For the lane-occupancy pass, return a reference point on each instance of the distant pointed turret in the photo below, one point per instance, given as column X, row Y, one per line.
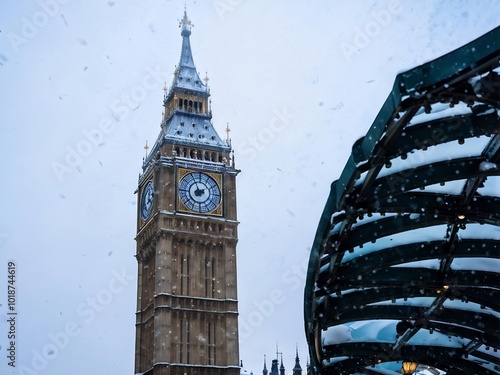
column 264, row 371
column 297, row 370
column 282, row 368
column 278, row 368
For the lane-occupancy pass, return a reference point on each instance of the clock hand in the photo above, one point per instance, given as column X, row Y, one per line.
column 199, row 192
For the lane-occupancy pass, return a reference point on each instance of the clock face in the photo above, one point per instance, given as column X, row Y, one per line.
column 147, row 200
column 199, row 192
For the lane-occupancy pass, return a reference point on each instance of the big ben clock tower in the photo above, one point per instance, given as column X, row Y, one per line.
column 187, row 312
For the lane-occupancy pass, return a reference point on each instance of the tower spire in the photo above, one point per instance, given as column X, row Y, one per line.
column 185, row 74
column 187, row 116
column 282, row 367
column 297, row 369
column 264, row 371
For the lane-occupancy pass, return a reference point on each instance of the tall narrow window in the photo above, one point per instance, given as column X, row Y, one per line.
column 209, row 336
column 184, row 332
column 211, row 343
column 213, row 277
column 187, row 341
column 207, row 277
column 181, row 340
column 184, row 276
column 187, row 276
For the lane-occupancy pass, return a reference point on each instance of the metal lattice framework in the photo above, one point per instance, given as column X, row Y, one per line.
column 406, row 260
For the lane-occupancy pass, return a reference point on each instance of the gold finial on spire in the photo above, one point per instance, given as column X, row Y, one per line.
column 185, row 23
column 228, row 130
column 146, row 147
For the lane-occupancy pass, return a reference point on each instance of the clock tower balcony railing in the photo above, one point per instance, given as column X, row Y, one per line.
column 209, row 227
column 177, row 110
column 192, row 111
column 170, row 91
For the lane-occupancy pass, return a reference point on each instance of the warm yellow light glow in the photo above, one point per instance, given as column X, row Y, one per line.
column 409, row 367
column 461, row 216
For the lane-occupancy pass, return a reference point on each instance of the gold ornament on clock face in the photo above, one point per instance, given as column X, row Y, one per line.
column 199, row 192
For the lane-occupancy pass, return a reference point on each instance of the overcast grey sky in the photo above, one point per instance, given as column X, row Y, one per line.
column 298, row 82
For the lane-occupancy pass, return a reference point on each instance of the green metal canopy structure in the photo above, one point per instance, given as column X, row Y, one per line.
column 405, row 264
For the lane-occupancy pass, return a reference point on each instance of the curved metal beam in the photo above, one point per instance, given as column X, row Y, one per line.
column 368, row 295
column 431, row 133
column 472, row 319
column 414, row 178
column 390, row 256
column 395, row 277
column 366, row 354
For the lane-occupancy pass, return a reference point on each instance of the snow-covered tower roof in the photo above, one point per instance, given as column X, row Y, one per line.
column 187, row 118
column 185, row 75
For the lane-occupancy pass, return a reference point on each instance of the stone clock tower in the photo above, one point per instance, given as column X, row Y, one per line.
column 187, row 309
